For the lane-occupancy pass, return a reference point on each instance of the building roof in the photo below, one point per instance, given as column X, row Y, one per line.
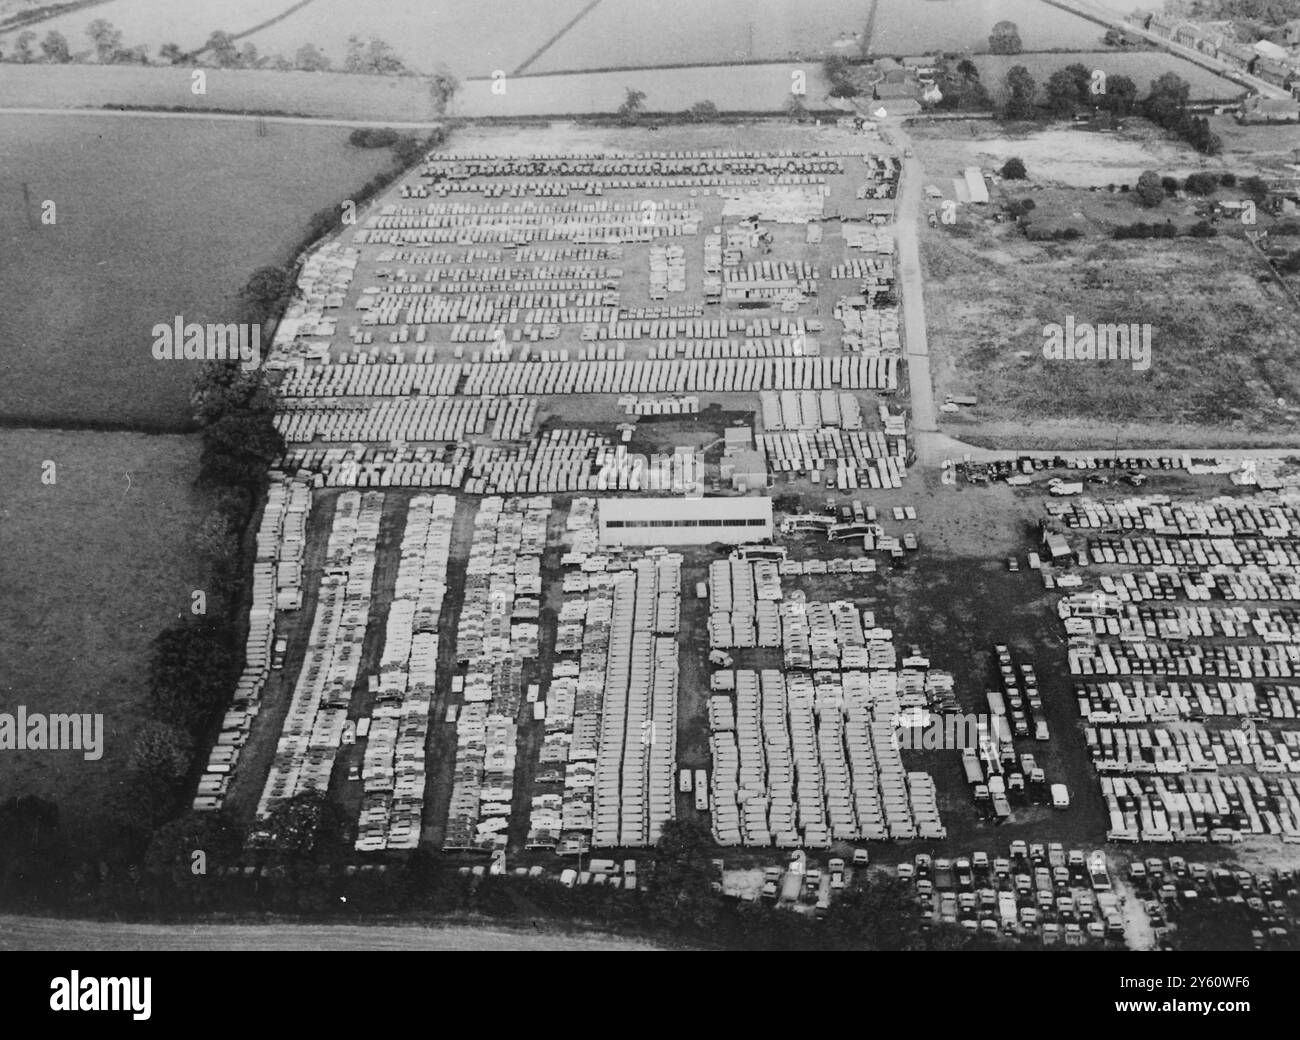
column 1267, row 49
column 895, row 91
column 747, row 461
column 679, row 507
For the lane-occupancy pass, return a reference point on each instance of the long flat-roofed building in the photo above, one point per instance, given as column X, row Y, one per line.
column 679, row 520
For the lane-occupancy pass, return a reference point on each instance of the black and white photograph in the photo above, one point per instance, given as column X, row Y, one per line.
column 651, row 476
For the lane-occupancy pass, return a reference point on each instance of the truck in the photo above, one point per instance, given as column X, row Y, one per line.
column 791, row 885
column 971, row 765
column 1057, row 486
column 996, row 705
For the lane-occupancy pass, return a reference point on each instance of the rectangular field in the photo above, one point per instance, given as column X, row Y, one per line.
column 471, row 39
column 94, row 567
column 137, row 243
column 626, row 34
column 905, row 27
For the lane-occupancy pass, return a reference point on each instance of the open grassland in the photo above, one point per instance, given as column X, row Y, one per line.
column 93, row 568
column 471, row 39
column 628, row 33
column 155, row 218
column 919, row 26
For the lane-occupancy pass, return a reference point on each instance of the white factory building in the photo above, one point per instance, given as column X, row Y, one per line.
column 678, row 520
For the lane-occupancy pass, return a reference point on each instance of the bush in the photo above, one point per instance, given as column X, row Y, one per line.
column 1150, row 191
column 1170, row 184
column 1203, row 229
column 365, row 137
column 1014, row 170
column 1201, row 184
column 1228, row 180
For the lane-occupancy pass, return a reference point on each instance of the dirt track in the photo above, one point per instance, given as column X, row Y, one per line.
column 35, row 933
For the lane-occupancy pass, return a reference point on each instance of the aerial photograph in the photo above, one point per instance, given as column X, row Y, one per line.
column 677, row 475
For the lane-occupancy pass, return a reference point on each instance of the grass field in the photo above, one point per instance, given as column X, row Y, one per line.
column 155, row 218
column 93, row 568
column 155, row 22
column 919, row 26
column 625, row 33
column 472, row 39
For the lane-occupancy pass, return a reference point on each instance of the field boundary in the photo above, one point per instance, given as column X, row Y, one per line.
column 556, row 37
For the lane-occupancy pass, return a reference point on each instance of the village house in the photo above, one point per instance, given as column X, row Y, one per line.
column 1258, row 109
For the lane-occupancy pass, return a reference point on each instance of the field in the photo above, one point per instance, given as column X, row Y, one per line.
column 155, row 22
column 137, row 243
column 737, row 88
column 93, row 568
column 1224, row 338
column 1058, row 154
column 1141, row 68
column 471, row 39
column 906, row 27
column 624, row 33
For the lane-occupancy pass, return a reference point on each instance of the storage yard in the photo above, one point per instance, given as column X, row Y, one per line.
column 536, row 600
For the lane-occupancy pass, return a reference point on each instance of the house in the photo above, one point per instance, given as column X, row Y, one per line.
column 1141, row 18
column 896, row 91
column 1186, row 34
column 1161, row 25
column 1279, row 73
column 1258, row 109
column 1266, row 49
column 1238, row 55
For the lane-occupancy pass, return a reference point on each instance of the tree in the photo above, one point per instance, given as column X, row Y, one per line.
column 161, row 754
column 191, row 672
column 172, row 847
column 32, row 850
column 1150, row 192
column 55, row 48
column 702, row 112
column 355, row 59
column 248, row 56
column 875, row 915
column 443, row 85
column 1201, row 183
column 23, row 52
column 1020, row 88
column 381, row 59
column 1082, row 77
column 1004, row 39
column 680, row 895
column 1120, row 96
column 221, row 45
column 967, row 69
column 632, row 107
column 795, row 108
column 267, row 289
column 1228, row 180
column 1062, row 94
column 303, row 826
column 1256, row 188
column 1014, row 170
column 171, row 52
column 106, row 38
column 309, row 58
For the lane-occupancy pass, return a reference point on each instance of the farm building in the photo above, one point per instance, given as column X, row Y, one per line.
column 1269, row 110
column 684, row 521
column 1270, row 50
column 975, row 185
